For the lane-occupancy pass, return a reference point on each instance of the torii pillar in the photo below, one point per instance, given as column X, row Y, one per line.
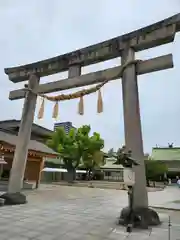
column 132, row 125
column 134, row 142
column 14, row 195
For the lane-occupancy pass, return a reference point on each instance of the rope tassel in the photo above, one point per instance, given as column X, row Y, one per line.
column 81, row 106
column 55, row 110
column 41, row 110
column 99, row 102
column 80, row 94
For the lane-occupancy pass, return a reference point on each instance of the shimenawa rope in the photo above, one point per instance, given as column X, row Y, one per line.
column 79, row 94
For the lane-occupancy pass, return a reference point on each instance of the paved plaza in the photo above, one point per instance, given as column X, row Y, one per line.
column 61, row 212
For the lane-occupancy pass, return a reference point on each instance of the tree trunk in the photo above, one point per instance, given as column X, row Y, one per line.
column 71, row 175
column 89, row 175
column 147, row 182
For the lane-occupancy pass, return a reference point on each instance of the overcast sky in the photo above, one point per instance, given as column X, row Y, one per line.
column 35, row 30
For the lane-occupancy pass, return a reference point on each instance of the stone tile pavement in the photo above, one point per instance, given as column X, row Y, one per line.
column 165, row 198
column 68, row 213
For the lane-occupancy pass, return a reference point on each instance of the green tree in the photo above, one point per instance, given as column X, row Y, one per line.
column 92, row 156
column 154, row 169
column 123, row 157
column 110, row 153
column 68, row 148
column 74, row 147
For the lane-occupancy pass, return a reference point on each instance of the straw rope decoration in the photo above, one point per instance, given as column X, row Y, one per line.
column 79, row 94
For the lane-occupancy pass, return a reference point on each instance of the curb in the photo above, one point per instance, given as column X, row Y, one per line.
column 121, row 188
column 166, row 208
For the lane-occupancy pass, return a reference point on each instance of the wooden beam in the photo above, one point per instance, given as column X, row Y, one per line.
column 146, row 66
column 154, row 35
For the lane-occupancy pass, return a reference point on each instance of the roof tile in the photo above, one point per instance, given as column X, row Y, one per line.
column 33, row 144
column 166, row 154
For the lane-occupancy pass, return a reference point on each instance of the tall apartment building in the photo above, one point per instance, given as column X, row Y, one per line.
column 66, row 125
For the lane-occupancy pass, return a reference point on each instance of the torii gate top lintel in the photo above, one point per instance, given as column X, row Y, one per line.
column 153, row 35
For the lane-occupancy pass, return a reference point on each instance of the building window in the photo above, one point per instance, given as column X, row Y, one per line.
column 66, row 125
column 114, row 175
column 107, row 174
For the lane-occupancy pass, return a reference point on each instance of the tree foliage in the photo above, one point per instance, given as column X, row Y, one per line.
column 154, row 169
column 110, row 153
column 92, row 156
column 77, row 146
column 124, row 157
column 67, row 147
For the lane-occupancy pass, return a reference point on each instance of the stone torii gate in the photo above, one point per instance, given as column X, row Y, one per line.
column 124, row 46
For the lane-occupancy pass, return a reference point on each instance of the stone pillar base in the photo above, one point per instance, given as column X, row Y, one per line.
column 13, row 198
column 141, row 218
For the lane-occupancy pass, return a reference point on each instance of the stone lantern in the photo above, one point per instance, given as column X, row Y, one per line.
column 128, row 173
column 130, row 216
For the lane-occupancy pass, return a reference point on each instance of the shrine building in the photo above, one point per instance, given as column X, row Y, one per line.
column 37, row 153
